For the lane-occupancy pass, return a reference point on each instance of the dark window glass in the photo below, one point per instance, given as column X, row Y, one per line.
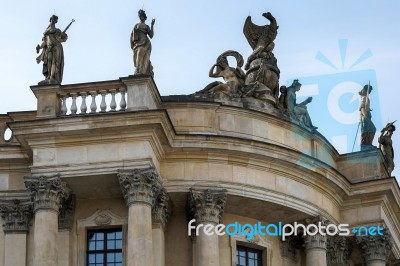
column 246, row 256
column 104, row 247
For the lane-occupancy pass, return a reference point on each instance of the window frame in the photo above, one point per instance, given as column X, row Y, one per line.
column 247, row 250
column 259, row 243
column 104, row 251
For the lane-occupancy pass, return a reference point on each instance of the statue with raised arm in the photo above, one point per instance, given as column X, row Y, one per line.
column 233, row 77
column 141, row 45
column 52, row 54
column 386, row 146
column 368, row 128
column 298, row 111
column 262, row 77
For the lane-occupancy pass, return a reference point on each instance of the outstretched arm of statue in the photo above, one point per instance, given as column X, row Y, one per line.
column 151, row 32
column 214, row 71
column 306, row 101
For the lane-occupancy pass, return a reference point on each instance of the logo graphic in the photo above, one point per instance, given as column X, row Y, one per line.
column 336, row 102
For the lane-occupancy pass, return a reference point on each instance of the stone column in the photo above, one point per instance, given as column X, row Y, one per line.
column 160, row 214
column 140, row 188
column 289, row 251
column 339, row 251
column 315, row 250
column 16, row 215
column 207, row 206
column 47, row 194
column 375, row 249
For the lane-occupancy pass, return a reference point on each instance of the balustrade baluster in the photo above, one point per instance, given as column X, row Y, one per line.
column 113, row 104
column 83, row 105
column 103, row 104
column 122, row 104
column 93, row 106
column 64, row 104
column 74, row 108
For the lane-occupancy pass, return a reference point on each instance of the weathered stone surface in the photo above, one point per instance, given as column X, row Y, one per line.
column 206, row 205
column 161, row 209
column 339, row 251
column 66, row 214
column 376, row 248
column 16, row 215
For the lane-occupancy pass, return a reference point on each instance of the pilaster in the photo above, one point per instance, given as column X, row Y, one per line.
column 338, row 251
column 16, row 215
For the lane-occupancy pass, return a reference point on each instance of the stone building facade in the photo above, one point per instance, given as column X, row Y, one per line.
column 111, row 173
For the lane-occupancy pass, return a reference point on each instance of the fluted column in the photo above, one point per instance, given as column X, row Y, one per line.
column 16, row 215
column 140, row 188
column 160, row 214
column 289, row 251
column 338, row 251
column 47, row 194
column 207, row 207
column 375, row 249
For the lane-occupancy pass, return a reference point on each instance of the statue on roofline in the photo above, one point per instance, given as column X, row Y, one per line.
column 233, row 77
column 386, row 146
column 141, row 45
column 368, row 128
column 52, row 54
column 262, row 77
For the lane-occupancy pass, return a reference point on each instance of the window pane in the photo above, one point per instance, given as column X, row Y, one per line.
column 92, row 245
column 92, row 258
column 110, row 244
column 118, row 244
column 100, row 236
column 118, row 257
column 118, row 235
column 99, row 258
column 110, row 257
column 111, row 235
column 99, row 245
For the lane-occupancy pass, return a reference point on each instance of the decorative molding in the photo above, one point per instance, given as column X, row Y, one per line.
column 375, row 248
column 66, row 214
column 103, row 218
column 338, row 251
column 140, row 185
column 47, row 193
column 206, row 205
column 160, row 211
column 16, row 215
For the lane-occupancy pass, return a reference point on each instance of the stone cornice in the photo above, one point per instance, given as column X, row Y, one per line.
column 140, row 185
column 207, row 206
column 375, row 248
column 47, row 193
column 160, row 211
column 16, row 215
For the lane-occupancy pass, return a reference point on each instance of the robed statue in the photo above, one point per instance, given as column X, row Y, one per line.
column 141, row 45
column 52, row 54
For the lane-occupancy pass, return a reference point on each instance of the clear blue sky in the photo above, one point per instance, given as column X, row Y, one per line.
column 189, row 36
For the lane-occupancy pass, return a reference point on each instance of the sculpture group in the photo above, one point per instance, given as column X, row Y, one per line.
column 257, row 88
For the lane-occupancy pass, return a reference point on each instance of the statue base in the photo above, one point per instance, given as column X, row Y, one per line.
column 366, row 147
column 49, row 82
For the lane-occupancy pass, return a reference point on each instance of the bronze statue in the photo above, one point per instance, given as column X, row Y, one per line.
column 298, row 111
column 233, row 77
column 386, row 146
column 263, row 71
column 141, row 45
column 52, row 54
column 368, row 128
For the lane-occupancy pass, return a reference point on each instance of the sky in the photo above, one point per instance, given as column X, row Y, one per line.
column 332, row 47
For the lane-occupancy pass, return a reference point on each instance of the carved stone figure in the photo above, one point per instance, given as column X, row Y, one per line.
column 298, row 111
column 368, row 128
column 282, row 98
column 385, row 145
column 261, row 66
column 233, row 77
column 52, row 54
column 141, row 45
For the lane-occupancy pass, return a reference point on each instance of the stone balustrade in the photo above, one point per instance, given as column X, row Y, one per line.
column 92, row 101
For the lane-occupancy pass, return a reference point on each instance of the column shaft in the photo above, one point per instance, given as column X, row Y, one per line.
column 316, row 257
column 207, row 249
column 158, row 245
column 45, row 240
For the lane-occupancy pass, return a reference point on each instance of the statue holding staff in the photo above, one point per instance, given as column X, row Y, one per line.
column 52, row 54
column 368, row 128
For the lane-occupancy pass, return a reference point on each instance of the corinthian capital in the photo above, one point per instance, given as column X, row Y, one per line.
column 140, row 185
column 16, row 214
column 207, row 205
column 375, row 248
column 47, row 193
column 160, row 211
column 339, row 251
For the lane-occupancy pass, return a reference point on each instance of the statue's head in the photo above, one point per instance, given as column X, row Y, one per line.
column 53, row 18
column 296, row 84
column 222, row 61
column 364, row 90
column 142, row 15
